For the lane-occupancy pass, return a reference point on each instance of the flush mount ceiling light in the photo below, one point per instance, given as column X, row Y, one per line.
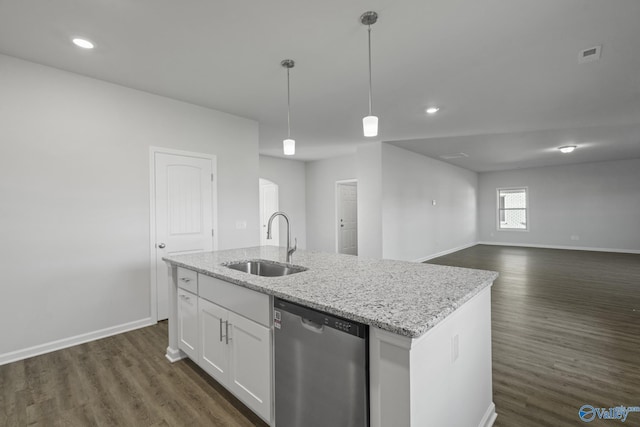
column 83, row 43
column 567, row 148
column 432, row 110
column 288, row 145
column 369, row 123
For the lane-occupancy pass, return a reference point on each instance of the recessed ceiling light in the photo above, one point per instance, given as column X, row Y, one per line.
column 567, row 148
column 432, row 110
column 83, row 43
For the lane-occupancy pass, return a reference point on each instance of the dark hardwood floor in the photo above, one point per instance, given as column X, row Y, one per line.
column 565, row 331
column 122, row 380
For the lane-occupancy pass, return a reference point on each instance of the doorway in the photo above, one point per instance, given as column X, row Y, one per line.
column 183, row 214
column 347, row 217
column 268, row 205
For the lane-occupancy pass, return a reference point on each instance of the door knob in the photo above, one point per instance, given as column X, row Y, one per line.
column 161, row 245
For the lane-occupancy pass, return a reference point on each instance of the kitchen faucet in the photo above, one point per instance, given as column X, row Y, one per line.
column 290, row 250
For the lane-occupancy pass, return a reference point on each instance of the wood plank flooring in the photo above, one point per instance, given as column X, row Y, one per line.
column 122, row 380
column 565, row 331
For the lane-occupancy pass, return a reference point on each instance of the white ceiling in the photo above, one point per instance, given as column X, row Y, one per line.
column 505, row 72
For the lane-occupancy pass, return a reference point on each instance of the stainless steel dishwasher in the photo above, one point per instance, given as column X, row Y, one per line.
column 321, row 368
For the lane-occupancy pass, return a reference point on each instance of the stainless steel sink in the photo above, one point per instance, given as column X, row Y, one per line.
column 265, row 268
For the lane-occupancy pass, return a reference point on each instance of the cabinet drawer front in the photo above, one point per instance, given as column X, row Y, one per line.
column 250, row 304
column 188, row 280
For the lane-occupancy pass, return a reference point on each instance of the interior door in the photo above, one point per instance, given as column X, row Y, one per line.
column 269, row 205
column 183, row 214
column 347, row 218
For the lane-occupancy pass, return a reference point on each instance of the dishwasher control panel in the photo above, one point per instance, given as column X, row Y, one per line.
column 320, row 318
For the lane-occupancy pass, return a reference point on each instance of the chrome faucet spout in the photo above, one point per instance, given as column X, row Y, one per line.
column 290, row 250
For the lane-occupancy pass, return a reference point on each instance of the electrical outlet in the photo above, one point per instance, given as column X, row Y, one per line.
column 433, row 202
column 241, row 224
column 575, row 237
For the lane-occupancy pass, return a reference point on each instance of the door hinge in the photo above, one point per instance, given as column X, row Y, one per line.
column 212, row 232
column 211, row 177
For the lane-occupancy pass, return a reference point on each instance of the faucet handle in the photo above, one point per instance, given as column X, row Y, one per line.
column 295, row 245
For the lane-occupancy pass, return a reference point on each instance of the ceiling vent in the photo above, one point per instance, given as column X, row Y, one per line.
column 589, row 55
column 454, row 156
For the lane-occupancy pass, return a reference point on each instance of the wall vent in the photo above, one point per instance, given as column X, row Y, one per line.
column 454, row 156
column 589, row 55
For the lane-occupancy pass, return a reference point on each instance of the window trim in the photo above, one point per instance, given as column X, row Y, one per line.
column 526, row 208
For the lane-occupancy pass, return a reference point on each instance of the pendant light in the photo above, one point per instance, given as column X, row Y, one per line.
column 369, row 123
column 288, row 145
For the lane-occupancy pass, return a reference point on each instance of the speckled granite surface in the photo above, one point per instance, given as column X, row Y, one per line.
column 405, row 298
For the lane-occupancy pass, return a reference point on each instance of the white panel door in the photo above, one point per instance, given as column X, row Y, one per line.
column 268, row 206
column 188, row 336
column 250, row 364
column 183, row 214
column 348, row 218
column 214, row 350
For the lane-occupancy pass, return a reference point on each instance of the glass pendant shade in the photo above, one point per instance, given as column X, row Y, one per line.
column 370, row 126
column 289, row 147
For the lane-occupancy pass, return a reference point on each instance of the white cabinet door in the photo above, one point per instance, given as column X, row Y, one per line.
column 214, row 350
column 188, row 323
column 250, row 364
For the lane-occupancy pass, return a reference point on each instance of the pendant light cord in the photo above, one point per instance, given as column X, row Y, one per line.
column 288, row 107
column 369, row 31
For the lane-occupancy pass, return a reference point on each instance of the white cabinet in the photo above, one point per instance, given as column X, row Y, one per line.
column 250, row 363
column 214, row 351
column 226, row 330
column 236, row 352
column 188, row 338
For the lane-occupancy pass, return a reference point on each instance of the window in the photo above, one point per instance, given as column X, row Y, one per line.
column 512, row 209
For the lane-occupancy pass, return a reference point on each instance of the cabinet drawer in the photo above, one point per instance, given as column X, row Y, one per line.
column 188, row 280
column 250, row 304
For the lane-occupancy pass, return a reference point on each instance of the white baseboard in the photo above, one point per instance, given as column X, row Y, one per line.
column 173, row 355
column 571, row 248
column 489, row 416
column 447, row 252
column 37, row 350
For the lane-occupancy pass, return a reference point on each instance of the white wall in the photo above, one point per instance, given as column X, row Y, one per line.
column 599, row 202
column 321, row 177
column 74, row 191
column 369, row 165
column 412, row 227
column 290, row 177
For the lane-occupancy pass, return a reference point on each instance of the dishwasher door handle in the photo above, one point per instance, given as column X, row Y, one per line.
column 311, row 325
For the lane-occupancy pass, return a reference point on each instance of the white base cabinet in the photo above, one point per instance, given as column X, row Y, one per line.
column 236, row 352
column 250, row 363
column 230, row 338
column 188, row 339
column 214, row 352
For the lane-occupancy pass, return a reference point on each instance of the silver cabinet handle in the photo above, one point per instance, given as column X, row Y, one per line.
column 220, row 329
column 185, row 279
column 227, row 330
column 161, row 245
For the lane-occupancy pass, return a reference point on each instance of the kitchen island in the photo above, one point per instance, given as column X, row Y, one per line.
column 430, row 326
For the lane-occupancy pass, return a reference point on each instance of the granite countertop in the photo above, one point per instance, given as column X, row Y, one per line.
column 405, row 298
